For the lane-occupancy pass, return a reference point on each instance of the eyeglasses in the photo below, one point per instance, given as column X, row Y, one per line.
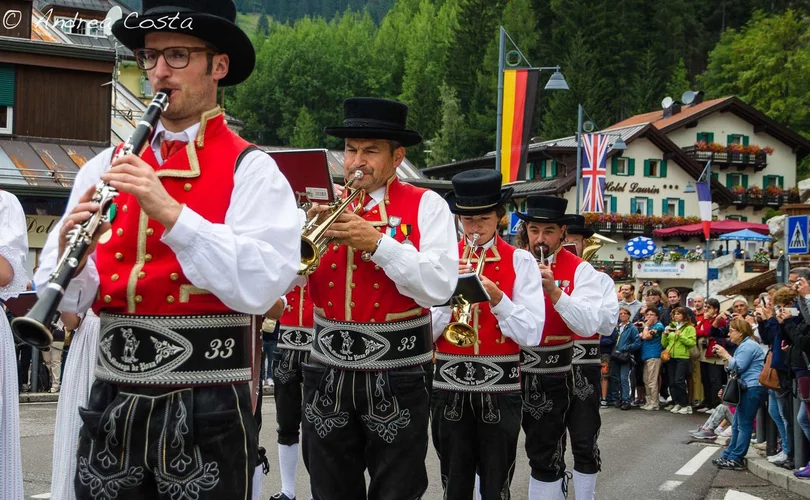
column 175, row 57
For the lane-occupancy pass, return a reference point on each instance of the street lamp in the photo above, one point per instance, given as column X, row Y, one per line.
column 689, row 189
column 618, row 145
column 557, row 81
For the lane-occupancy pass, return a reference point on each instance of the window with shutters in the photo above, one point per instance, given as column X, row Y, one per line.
column 737, row 139
column 610, row 204
column 641, row 206
column 6, row 117
column 7, row 81
column 622, row 166
column 705, row 137
column 655, row 168
column 733, row 180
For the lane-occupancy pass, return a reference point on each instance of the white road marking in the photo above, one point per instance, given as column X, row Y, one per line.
column 42, row 495
column 739, row 495
column 697, row 461
column 670, row 485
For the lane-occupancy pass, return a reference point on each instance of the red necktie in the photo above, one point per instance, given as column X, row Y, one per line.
column 168, row 148
column 362, row 206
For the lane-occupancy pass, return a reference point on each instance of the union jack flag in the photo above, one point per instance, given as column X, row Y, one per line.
column 594, row 158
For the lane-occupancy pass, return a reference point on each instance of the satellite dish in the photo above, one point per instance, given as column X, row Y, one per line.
column 667, row 102
column 688, row 97
column 113, row 15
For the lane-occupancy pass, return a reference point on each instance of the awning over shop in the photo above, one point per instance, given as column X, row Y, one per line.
column 39, row 164
column 718, row 228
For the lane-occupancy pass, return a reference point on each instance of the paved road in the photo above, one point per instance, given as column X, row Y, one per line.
column 645, row 455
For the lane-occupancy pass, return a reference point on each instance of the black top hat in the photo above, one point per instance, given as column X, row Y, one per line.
column 477, row 192
column 577, row 226
column 370, row 118
column 213, row 21
column 546, row 210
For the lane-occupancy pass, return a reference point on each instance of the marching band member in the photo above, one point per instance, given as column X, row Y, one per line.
column 190, row 248
column 583, row 419
column 366, row 391
column 13, row 280
column 294, row 343
column 573, row 292
column 476, row 403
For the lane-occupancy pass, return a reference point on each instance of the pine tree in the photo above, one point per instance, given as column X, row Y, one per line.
column 646, row 87
column 445, row 144
column 678, row 81
column 306, row 133
column 263, row 26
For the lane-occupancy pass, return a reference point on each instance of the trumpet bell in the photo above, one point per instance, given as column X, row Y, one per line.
column 460, row 334
column 31, row 332
column 310, row 257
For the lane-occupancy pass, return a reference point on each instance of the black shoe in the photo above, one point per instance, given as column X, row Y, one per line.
column 281, row 496
column 716, row 461
column 786, row 464
column 731, row 465
column 625, row 405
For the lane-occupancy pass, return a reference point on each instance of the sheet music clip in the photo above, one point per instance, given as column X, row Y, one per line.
column 470, row 288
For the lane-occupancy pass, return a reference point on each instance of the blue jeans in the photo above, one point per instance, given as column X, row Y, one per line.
column 776, row 410
column 620, row 385
column 268, row 348
column 804, row 421
column 743, row 424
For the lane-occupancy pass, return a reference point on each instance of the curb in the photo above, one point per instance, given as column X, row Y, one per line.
column 777, row 476
column 47, row 397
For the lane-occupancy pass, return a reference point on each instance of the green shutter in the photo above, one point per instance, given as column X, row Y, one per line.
column 744, row 218
column 781, row 180
column 553, row 168
column 632, row 205
column 766, row 181
column 745, row 140
column 649, row 206
column 680, row 208
column 613, row 204
column 716, row 176
column 6, row 85
column 646, row 168
column 631, row 169
column 701, row 136
column 728, row 181
column 711, row 137
column 663, row 172
column 614, row 163
column 745, row 181
column 729, row 139
column 664, row 207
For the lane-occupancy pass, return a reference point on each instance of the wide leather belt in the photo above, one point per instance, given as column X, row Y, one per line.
column 372, row 346
column 547, row 359
column 586, row 352
column 174, row 351
column 295, row 338
column 456, row 372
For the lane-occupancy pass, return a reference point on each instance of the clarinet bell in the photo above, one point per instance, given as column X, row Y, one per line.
column 32, row 332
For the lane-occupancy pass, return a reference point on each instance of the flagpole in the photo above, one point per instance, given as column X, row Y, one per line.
column 579, row 153
column 708, row 179
column 501, row 66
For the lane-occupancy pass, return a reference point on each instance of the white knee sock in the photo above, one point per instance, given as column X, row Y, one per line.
column 257, row 482
column 288, row 463
column 584, row 485
column 477, row 487
column 538, row 490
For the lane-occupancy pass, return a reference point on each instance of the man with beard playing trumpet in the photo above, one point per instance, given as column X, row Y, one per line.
column 476, row 403
column 574, row 292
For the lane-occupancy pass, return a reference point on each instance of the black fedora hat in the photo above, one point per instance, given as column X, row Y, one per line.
column 577, row 226
column 477, row 192
column 213, row 21
column 371, row 118
column 545, row 210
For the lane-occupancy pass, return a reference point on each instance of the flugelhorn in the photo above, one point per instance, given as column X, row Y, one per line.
column 592, row 245
column 33, row 328
column 313, row 237
column 461, row 333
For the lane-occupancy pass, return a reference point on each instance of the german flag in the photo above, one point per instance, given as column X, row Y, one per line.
column 519, row 95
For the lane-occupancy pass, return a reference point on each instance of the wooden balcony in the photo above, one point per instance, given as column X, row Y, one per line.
column 725, row 160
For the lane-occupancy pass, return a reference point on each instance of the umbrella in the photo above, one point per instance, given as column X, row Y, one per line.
column 640, row 247
column 745, row 235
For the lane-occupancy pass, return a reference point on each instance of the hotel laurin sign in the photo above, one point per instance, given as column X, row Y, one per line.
column 621, row 187
column 39, row 226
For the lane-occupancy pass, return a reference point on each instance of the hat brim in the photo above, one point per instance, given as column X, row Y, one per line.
column 450, row 197
column 583, row 231
column 223, row 34
column 403, row 136
column 562, row 220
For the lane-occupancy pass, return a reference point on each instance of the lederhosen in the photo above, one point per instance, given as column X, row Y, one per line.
column 583, row 420
column 366, row 391
column 476, row 403
column 292, row 352
column 170, row 413
column 547, row 382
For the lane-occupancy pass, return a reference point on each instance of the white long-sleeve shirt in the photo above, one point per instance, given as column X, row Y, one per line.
column 247, row 262
column 593, row 306
column 13, row 243
column 520, row 318
column 428, row 276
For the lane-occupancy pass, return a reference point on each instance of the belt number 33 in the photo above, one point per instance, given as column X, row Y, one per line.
column 217, row 351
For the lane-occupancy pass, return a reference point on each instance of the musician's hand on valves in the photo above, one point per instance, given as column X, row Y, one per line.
column 351, row 229
column 316, row 209
column 80, row 213
column 130, row 174
column 550, row 287
column 495, row 294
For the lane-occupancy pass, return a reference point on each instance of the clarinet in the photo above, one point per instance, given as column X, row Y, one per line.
column 34, row 328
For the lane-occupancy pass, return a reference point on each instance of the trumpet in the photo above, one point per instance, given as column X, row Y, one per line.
column 461, row 333
column 313, row 238
column 32, row 329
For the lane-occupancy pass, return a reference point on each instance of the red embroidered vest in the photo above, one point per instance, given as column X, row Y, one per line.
column 555, row 331
column 138, row 273
column 499, row 268
column 298, row 312
column 345, row 288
